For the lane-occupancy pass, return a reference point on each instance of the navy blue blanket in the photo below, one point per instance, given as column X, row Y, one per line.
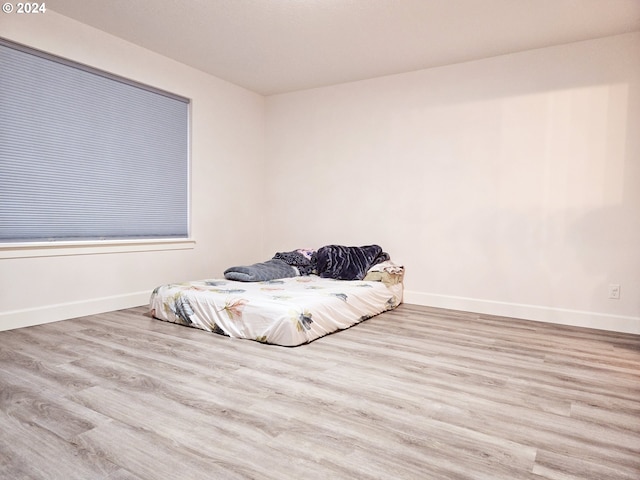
column 348, row 263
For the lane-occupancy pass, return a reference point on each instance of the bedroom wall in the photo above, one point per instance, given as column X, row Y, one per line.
column 227, row 161
column 508, row 186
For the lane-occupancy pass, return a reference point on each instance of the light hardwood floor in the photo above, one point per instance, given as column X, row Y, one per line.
column 415, row 393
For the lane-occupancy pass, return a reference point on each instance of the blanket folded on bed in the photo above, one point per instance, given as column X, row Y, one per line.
column 348, row 263
column 261, row 272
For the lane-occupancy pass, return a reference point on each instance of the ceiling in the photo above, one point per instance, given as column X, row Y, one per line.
column 277, row 46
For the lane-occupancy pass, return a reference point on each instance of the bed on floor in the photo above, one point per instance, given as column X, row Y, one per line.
column 285, row 310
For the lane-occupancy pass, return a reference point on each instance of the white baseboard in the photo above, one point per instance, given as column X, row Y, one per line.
column 617, row 323
column 64, row 311
column 578, row 318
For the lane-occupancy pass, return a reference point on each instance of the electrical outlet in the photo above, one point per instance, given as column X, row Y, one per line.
column 614, row 291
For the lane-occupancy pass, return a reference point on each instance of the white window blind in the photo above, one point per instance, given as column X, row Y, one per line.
column 86, row 155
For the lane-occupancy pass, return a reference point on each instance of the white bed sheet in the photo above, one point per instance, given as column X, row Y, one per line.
column 288, row 311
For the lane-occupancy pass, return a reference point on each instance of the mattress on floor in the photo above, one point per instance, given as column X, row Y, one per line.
column 288, row 311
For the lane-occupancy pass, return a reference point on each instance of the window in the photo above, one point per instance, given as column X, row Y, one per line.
column 86, row 155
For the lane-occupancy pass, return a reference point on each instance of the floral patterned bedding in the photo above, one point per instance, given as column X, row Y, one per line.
column 288, row 311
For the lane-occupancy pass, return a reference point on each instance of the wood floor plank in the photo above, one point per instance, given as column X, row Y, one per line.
column 151, row 456
column 21, row 400
column 556, row 465
column 413, row 393
column 122, row 474
column 33, row 452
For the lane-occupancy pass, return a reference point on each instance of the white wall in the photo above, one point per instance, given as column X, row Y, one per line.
column 227, row 186
column 509, row 185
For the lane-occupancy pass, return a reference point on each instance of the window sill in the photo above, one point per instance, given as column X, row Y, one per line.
column 55, row 249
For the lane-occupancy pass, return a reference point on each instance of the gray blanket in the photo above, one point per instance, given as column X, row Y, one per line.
column 261, row 272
